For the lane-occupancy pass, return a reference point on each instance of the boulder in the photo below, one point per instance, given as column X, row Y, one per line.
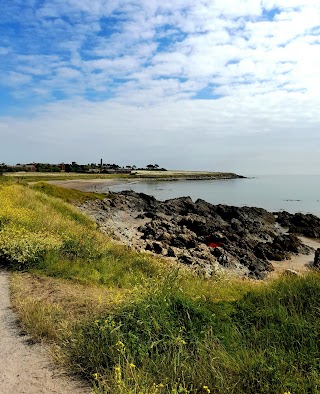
column 316, row 262
column 299, row 223
column 290, row 272
column 154, row 247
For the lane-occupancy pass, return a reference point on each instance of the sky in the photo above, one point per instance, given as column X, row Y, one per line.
column 220, row 85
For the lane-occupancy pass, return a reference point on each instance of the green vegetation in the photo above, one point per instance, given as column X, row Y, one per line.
column 44, row 233
column 62, row 176
column 67, row 195
column 131, row 323
column 266, row 342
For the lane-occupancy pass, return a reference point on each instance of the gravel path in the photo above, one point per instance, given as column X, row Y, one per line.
column 25, row 368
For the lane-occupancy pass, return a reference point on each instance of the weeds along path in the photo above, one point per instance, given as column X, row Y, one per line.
column 25, row 368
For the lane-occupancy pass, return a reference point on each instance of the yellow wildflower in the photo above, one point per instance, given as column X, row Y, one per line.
column 120, row 346
column 117, row 373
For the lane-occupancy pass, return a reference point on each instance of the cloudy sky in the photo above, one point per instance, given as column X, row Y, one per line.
column 228, row 85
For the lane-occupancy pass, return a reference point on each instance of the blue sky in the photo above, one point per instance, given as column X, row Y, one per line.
column 196, row 85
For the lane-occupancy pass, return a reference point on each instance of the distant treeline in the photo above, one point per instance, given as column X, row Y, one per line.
column 75, row 167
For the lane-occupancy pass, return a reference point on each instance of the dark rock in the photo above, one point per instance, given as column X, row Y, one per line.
column 195, row 223
column 150, row 215
column 186, row 259
column 154, row 247
column 171, row 252
column 180, row 205
column 217, row 252
column 299, row 223
column 157, row 248
column 281, row 248
column 204, row 208
column 237, row 225
column 186, row 240
column 149, row 247
column 286, row 243
column 316, row 262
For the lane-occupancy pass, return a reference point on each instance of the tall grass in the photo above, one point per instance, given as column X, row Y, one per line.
column 67, row 195
column 266, row 342
column 47, row 235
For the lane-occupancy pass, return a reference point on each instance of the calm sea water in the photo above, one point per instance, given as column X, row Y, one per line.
column 294, row 193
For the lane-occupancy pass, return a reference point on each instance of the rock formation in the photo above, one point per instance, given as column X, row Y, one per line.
column 207, row 238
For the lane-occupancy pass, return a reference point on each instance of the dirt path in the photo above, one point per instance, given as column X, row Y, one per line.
column 25, row 368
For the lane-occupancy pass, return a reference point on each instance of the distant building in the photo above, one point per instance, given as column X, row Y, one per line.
column 26, row 167
column 31, row 167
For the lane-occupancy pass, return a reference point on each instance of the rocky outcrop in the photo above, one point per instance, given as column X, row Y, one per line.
column 206, row 237
column 298, row 223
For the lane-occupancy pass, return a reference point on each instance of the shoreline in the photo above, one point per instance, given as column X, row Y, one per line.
column 167, row 187
column 93, row 185
column 207, row 238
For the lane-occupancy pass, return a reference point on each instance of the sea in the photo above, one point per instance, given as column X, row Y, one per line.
column 292, row 193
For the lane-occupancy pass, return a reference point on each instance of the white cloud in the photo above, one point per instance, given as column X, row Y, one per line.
column 190, row 133
column 16, row 79
column 216, row 36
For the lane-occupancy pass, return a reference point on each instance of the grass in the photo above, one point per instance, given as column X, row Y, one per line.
column 45, row 234
column 60, row 176
column 260, row 338
column 68, row 195
column 130, row 323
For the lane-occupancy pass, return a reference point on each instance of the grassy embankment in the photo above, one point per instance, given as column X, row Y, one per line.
column 60, row 176
column 131, row 324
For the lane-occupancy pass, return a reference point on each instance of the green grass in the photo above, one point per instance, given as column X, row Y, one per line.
column 268, row 341
column 172, row 332
column 68, row 195
column 114, row 267
column 65, row 176
column 39, row 231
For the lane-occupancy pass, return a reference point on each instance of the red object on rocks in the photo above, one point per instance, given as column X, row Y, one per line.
column 214, row 244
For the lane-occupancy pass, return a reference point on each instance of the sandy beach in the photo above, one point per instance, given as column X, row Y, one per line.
column 90, row 185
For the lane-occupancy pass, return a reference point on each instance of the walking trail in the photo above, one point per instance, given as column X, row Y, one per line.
column 25, row 368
